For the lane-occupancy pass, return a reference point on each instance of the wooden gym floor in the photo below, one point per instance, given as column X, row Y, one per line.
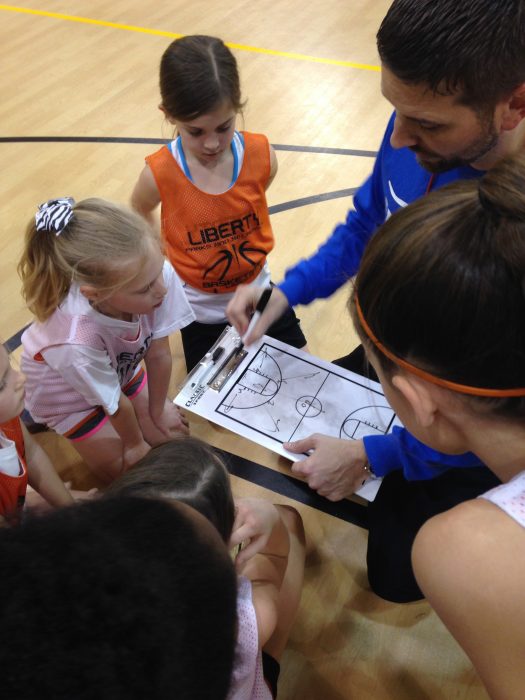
column 79, row 113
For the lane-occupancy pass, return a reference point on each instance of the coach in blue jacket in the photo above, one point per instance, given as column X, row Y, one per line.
column 455, row 75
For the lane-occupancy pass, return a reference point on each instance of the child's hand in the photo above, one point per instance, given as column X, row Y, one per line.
column 169, row 425
column 132, row 453
column 254, row 522
column 80, row 495
column 242, row 305
column 172, row 422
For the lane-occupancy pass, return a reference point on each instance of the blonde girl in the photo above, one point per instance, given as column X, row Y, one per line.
column 211, row 182
column 104, row 299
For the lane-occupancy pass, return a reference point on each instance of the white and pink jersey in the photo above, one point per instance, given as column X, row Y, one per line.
column 247, row 677
column 79, row 358
column 510, row 497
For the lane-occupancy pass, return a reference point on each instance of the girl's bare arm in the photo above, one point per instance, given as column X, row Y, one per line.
column 42, row 475
column 125, row 423
column 267, row 567
column 145, row 197
column 165, row 416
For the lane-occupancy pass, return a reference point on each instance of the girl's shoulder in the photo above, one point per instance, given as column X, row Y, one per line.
column 175, row 311
column 11, row 428
column 170, row 277
column 251, row 134
column 252, row 138
column 75, row 303
column 259, row 155
column 73, row 323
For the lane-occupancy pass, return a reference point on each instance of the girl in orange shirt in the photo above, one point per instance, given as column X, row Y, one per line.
column 210, row 182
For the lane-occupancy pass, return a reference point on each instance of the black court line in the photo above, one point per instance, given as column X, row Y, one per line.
column 313, row 199
column 15, row 341
column 121, row 139
column 322, row 149
column 349, row 511
column 80, row 139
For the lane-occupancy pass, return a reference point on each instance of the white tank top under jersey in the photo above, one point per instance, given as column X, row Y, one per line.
column 211, row 308
column 9, row 462
column 89, row 356
column 510, row 497
column 247, row 677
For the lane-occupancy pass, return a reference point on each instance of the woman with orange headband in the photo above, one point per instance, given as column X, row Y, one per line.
column 439, row 303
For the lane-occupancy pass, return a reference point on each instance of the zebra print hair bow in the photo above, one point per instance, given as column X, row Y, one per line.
column 54, row 215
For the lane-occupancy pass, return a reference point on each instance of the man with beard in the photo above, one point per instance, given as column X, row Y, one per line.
column 455, row 74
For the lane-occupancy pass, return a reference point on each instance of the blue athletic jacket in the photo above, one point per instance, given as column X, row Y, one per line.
column 397, row 179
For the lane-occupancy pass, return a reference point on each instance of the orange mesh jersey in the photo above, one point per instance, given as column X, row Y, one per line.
column 216, row 241
column 13, row 488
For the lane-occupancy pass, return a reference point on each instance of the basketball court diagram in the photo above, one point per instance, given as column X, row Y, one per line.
column 285, row 397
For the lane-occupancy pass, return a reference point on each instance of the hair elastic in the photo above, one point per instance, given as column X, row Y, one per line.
column 461, row 388
column 54, row 215
column 489, row 206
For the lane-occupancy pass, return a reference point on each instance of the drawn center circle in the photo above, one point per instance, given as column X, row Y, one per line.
column 308, row 406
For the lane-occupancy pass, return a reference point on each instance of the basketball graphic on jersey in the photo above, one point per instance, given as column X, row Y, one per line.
column 221, row 264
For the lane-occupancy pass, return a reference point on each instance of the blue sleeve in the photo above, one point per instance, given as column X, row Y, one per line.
column 401, row 450
column 337, row 260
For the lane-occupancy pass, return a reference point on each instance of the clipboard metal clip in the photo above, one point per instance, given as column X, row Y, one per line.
column 217, row 365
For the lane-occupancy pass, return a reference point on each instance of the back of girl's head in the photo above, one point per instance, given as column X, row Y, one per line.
column 103, row 244
column 188, row 470
column 197, row 75
column 116, row 599
column 442, row 284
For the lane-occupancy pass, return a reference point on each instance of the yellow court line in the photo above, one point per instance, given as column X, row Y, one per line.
column 173, row 35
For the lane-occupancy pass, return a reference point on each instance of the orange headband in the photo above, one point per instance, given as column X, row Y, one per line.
column 461, row 388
